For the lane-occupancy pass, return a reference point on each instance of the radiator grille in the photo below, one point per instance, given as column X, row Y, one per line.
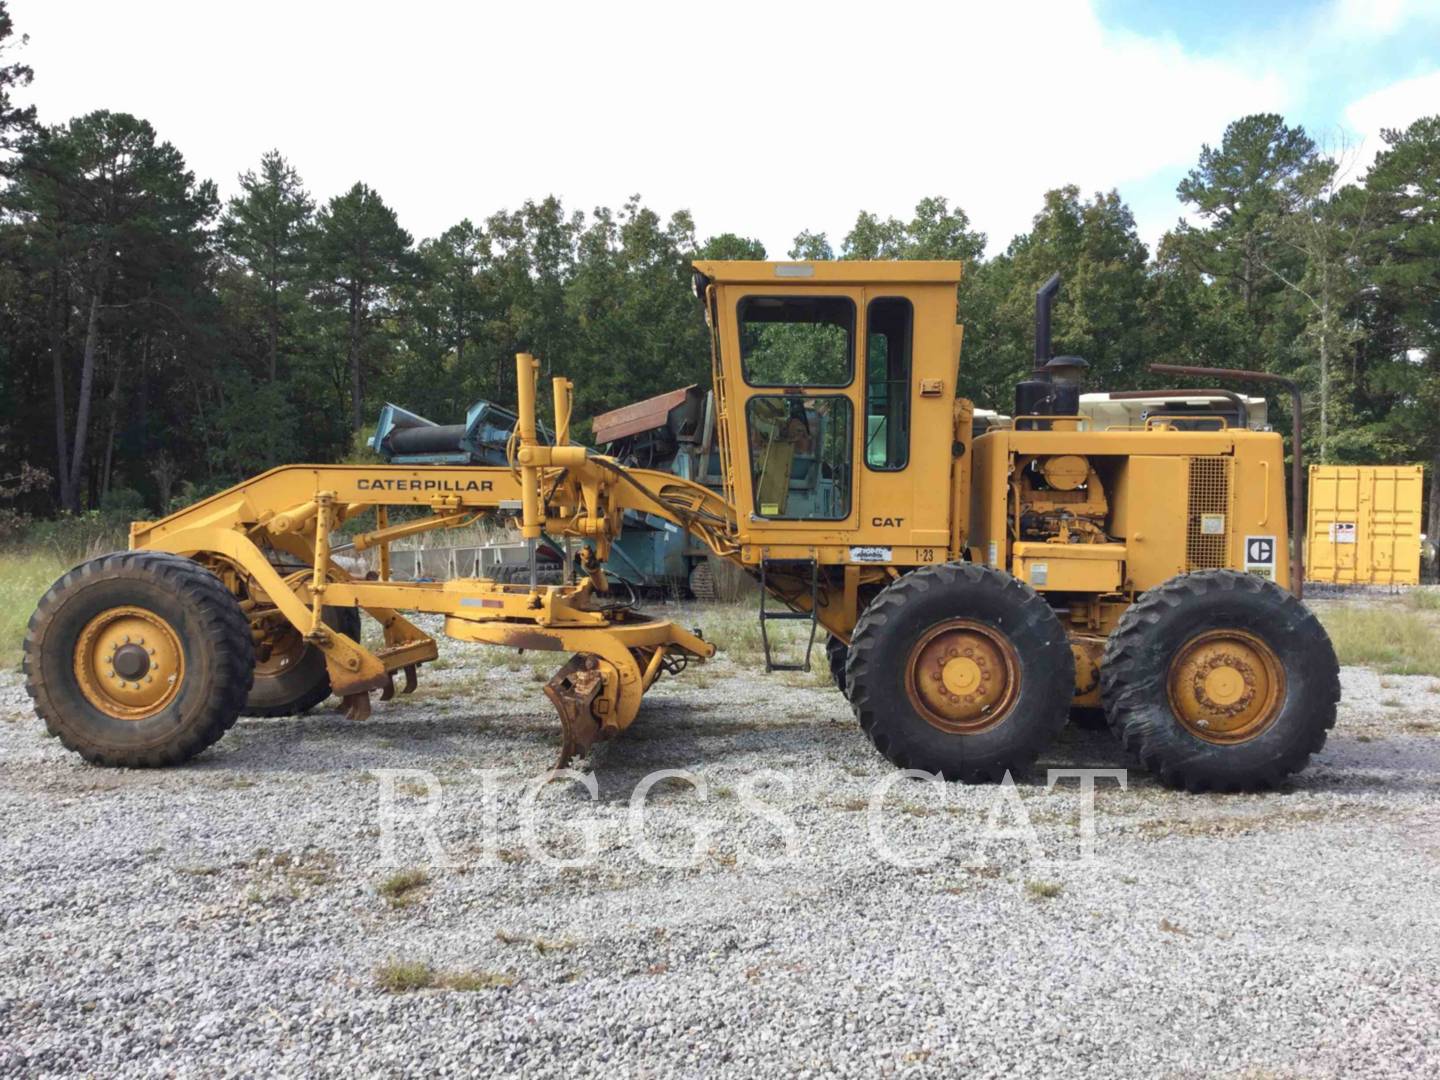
column 1207, row 537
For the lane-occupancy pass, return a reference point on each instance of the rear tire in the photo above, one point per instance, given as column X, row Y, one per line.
column 960, row 670
column 158, row 699
column 298, row 686
column 1220, row 681
column 702, row 580
column 837, row 653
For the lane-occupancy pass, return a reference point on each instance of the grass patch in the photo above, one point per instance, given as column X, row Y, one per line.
column 818, row 677
column 311, row 868
column 470, row 981
column 407, row 976
column 24, row 577
column 283, row 877
column 1244, row 823
column 1044, row 890
column 400, row 887
column 1393, row 639
column 735, row 630
column 404, row 976
column 540, row 664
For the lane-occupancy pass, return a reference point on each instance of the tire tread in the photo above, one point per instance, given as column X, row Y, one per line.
column 883, row 616
column 1126, row 663
column 223, row 625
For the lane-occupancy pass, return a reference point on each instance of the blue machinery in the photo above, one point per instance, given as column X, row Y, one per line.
column 673, row 431
column 404, row 438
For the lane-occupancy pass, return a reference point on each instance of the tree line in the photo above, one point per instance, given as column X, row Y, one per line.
column 158, row 342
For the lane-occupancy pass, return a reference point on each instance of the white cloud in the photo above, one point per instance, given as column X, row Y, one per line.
column 763, row 118
column 1395, row 106
column 1374, row 18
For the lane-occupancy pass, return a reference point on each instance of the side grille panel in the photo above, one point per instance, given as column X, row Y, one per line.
column 1207, row 535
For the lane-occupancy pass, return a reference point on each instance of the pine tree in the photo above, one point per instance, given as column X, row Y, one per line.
column 265, row 233
column 360, row 255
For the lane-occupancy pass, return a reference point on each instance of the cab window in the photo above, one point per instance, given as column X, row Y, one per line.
column 889, row 325
column 797, row 340
column 800, row 454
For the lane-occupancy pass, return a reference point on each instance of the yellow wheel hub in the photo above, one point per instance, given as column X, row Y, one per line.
column 1226, row 686
column 963, row 676
column 129, row 663
column 286, row 648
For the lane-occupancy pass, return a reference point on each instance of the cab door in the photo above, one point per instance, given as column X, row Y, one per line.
column 793, row 405
column 906, row 472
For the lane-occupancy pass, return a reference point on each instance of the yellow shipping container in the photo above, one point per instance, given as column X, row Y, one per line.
column 1365, row 524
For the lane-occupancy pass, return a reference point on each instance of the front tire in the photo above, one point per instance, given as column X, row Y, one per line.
column 293, row 679
column 960, row 670
column 1220, row 681
column 139, row 659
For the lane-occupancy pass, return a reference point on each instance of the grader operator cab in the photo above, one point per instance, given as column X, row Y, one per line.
column 971, row 589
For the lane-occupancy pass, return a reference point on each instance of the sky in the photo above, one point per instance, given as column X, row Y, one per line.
column 759, row 118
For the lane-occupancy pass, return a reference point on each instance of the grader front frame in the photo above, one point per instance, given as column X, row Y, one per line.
column 243, row 538
column 972, row 589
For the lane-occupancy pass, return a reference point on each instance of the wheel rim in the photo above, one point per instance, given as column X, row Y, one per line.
column 129, row 663
column 1226, row 686
column 963, row 676
column 286, row 649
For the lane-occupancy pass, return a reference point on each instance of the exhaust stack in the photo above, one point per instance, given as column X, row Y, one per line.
column 1044, row 302
column 1053, row 388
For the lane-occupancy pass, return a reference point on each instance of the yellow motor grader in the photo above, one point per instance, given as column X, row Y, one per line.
column 971, row 588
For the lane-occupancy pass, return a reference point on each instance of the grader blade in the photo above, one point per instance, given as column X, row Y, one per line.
column 573, row 691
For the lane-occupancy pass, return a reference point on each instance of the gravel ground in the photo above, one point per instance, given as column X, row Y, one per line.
column 231, row 917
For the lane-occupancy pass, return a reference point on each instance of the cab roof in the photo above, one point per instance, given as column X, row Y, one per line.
column 836, row 272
